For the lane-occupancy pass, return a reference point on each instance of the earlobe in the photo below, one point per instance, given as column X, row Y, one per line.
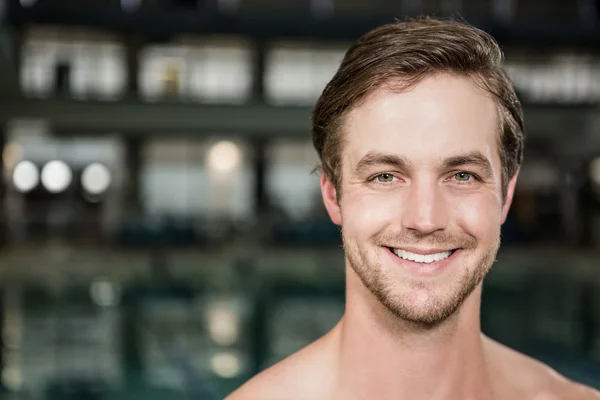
column 329, row 193
column 510, row 191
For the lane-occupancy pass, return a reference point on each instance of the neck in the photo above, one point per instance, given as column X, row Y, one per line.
column 383, row 357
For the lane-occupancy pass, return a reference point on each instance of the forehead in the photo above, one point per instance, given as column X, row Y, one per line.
column 437, row 118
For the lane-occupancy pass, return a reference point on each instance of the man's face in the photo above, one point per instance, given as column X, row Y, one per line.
column 421, row 196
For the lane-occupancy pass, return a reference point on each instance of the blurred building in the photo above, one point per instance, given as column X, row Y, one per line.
column 162, row 233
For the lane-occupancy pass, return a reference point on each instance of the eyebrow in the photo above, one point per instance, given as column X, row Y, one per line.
column 374, row 158
column 475, row 158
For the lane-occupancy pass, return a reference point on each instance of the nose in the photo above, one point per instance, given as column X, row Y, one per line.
column 425, row 209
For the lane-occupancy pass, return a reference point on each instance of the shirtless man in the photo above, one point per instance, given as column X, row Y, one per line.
column 421, row 137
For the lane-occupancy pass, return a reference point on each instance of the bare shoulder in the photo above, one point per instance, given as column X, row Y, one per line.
column 303, row 375
column 566, row 389
column 535, row 380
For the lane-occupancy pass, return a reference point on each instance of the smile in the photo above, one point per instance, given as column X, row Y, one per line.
column 419, row 257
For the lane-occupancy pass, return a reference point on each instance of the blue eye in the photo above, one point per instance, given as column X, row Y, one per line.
column 463, row 176
column 385, row 178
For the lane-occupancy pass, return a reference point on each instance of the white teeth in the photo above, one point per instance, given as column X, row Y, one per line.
column 422, row 258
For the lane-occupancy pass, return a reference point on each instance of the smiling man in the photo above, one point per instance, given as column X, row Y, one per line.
column 421, row 138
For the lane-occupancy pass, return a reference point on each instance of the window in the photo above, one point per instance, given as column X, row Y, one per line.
column 298, row 74
column 176, row 180
column 198, row 71
column 83, row 69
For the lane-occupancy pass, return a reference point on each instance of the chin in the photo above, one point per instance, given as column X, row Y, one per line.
column 421, row 305
column 425, row 301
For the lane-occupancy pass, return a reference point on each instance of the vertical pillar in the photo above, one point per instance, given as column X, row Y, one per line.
column 130, row 335
column 588, row 320
column 259, row 343
column 258, row 334
column 133, row 45
column 3, row 191
column 261, row 201
column 258, row 76
column 259, row 145
column 9, row 315
column 571, row 214
column 133, row 157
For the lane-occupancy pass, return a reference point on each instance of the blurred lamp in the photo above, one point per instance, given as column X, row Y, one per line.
column 96, row 179
column 105, row 293
column 56, row 176
column 224, row 156
column 223, row 324
column 12, row 378
column 25, row 176
column 226, row 365
column 27, row 3
column 595, row 170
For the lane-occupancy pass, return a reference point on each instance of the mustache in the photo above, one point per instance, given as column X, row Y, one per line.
column 412, row 238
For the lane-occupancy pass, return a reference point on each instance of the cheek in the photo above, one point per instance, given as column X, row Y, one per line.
column 478, row 215
column 367, row 214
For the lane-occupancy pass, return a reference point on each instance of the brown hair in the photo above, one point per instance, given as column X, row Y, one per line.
column 413, row 50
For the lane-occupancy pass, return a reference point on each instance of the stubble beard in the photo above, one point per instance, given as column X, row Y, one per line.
column 439, row 307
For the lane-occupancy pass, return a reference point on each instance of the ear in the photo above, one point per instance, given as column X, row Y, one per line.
column 510, row 191
column 329, row 194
